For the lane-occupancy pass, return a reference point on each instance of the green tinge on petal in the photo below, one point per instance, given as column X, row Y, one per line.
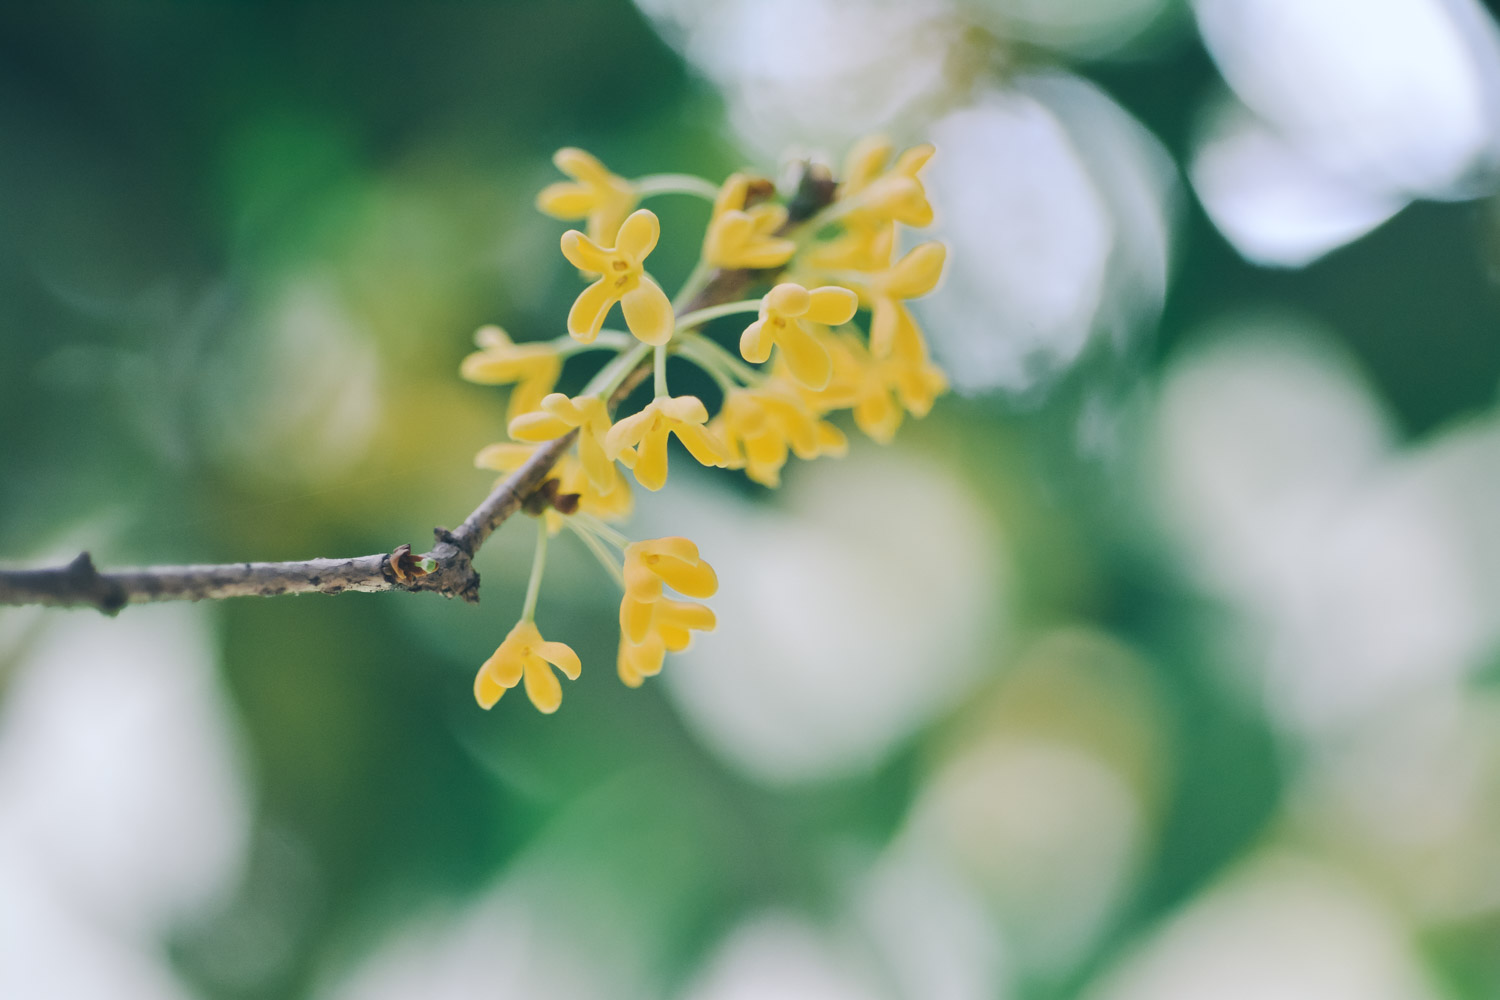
column 587, row 315
column 648, row 312
column 542, row 685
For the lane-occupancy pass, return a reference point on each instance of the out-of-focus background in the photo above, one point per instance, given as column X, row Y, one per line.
column 1159, row 663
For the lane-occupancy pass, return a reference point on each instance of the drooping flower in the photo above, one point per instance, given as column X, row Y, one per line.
column 524, row 655
column 759, row 425
column 594, row 193
column 876, row 389
column 556, row 415
column 652, row 624
column 885, row 193
column 533, row 368
column 784, row 313
column 612, row 504
column 667, row 633
column 893, row 330
column 640, row 440
column 740, row 237
column 622, row 279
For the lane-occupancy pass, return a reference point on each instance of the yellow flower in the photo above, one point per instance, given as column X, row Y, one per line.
column 525, row 654
column 893, row 331
column 612, row 504
column 877, row 389
column 622, row 279
column 532, row 367
column 668, row 632
column 783, row 313
column 651, row 623
column 740, row 237
column 882, row 193
column 594, row 194
column 556, row 416
column 640, row 440
column 758, row 424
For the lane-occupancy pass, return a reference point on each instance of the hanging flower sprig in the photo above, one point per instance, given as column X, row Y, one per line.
column 812, row 264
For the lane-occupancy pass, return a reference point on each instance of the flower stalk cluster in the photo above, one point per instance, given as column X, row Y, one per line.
column 797, row 359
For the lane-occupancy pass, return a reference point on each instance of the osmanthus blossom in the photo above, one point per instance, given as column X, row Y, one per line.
column 823, row 364
column 622, row 279
column 593, row 194
column 785, row 313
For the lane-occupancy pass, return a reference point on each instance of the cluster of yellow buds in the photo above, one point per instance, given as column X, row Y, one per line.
column 815, row 263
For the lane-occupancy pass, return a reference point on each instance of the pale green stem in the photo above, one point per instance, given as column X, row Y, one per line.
column 709, row 364
column 606, row 559
column 729, row 360
column 695, row 283
column 538, row 564
column 700, row 316
column 608, row 378
column 661, row 371
column 654, row 184
column 603, row 530
column 612, row 340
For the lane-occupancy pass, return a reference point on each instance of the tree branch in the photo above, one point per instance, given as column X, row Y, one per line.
column 447, row 569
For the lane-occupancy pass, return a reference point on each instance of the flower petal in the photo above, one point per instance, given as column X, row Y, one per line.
column 831, row 305
column 503, row 456
column 583, row 165
column 487, row 690
column 702, row 445
column 583, row 253
column 565, row 200
column 561, row 656
column 542, row 685
column 806, row 358
column 755, row 344
column 651, row 459
column 639, row 233
column 916, row 273
column 648, row 312
column 589, row 310
column 627, row 432
column 538, row 426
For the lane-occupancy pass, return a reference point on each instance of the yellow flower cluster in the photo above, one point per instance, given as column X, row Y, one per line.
column 792, row 367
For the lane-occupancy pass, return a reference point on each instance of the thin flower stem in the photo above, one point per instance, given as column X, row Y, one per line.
column 598, row 548
column 608, row 378
column 538, row 565
column 746, row 374
column 709, row 364
column 612, row 340
column 702, row 272
column 700, row 316
column 654, row 184
column 603, row 530
column 661, row 371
